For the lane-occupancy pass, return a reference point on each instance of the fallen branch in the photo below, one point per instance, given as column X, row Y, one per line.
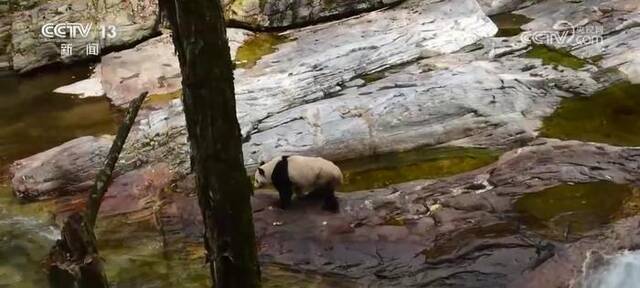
column 74, row 261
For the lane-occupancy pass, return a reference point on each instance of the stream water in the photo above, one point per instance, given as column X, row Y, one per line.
column 619, row 271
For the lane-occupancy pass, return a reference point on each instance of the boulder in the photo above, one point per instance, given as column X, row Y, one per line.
column 317, row 65
column 66, row 169
column 134, row 21
column 267, row 14
column 129, row 72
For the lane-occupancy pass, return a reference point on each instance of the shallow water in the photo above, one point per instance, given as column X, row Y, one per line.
column 258, row 46
column 565, row 211
column 509, row 23
column 422, row 163
column 609, row 116
column 26, row 234
column 33, row 118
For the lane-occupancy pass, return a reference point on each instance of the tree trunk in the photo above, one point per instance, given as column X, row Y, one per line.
column 73, row 260
column 223, row 188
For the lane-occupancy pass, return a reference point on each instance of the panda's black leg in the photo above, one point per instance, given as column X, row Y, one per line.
column 285, row 196
column 280, row 179
column 330, row 201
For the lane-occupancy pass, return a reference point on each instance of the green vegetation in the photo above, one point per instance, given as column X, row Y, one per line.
column 551, row 56
column 422, row 163
column 609, row 116
column 255, row 48
column 509, row 23
column 373, row 77
column 572, row 209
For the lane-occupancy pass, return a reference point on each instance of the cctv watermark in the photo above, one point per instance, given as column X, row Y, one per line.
column 565, row 33
column 64, row 33
column 67, row 31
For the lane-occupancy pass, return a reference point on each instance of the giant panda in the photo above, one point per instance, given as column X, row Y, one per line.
column 301, row 175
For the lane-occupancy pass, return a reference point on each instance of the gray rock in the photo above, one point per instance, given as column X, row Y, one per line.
column 126, row 74
column 493, row 7
column 66, row 169
column 464, row 101
column 314, row 67
column 607, row 32
column 285, row 13
column 619, row 51
column 135, row 20
column 5, row 43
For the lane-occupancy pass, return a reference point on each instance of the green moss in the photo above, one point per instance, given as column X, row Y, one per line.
column 258, row 46
column 609, row 116
column 373, row 77
column 596, row 58
column 575, row 208
column 509, row 23
column 423, row 163
column 161, row 100
column 551, row 56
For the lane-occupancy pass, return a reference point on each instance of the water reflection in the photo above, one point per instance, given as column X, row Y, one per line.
column 33, row 119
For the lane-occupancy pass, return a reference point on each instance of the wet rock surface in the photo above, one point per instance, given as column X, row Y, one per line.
column 460, row 231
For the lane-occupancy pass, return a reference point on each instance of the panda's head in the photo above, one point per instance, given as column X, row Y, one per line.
column 262, row 176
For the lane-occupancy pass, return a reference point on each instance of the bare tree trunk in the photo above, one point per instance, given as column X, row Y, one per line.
column 74, row 261
column 200, row 38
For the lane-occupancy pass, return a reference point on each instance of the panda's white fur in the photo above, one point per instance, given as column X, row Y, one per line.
column 306, row 173
column 303, row 175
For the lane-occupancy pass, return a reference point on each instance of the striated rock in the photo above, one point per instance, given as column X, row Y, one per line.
column 262, row 14
column 5, row 42
column 320, row 58
column 314, row 66
column 610, row 13
column 135, row 20
column 619, row 51
column 68, row 168
column 455, row 99
column 607, row 32
column 130, row 72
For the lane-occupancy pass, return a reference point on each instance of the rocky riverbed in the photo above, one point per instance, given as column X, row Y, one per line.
column 419, row 77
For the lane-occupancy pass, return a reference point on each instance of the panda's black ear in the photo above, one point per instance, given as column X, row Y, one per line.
column 262, row 163
column 261, row 171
